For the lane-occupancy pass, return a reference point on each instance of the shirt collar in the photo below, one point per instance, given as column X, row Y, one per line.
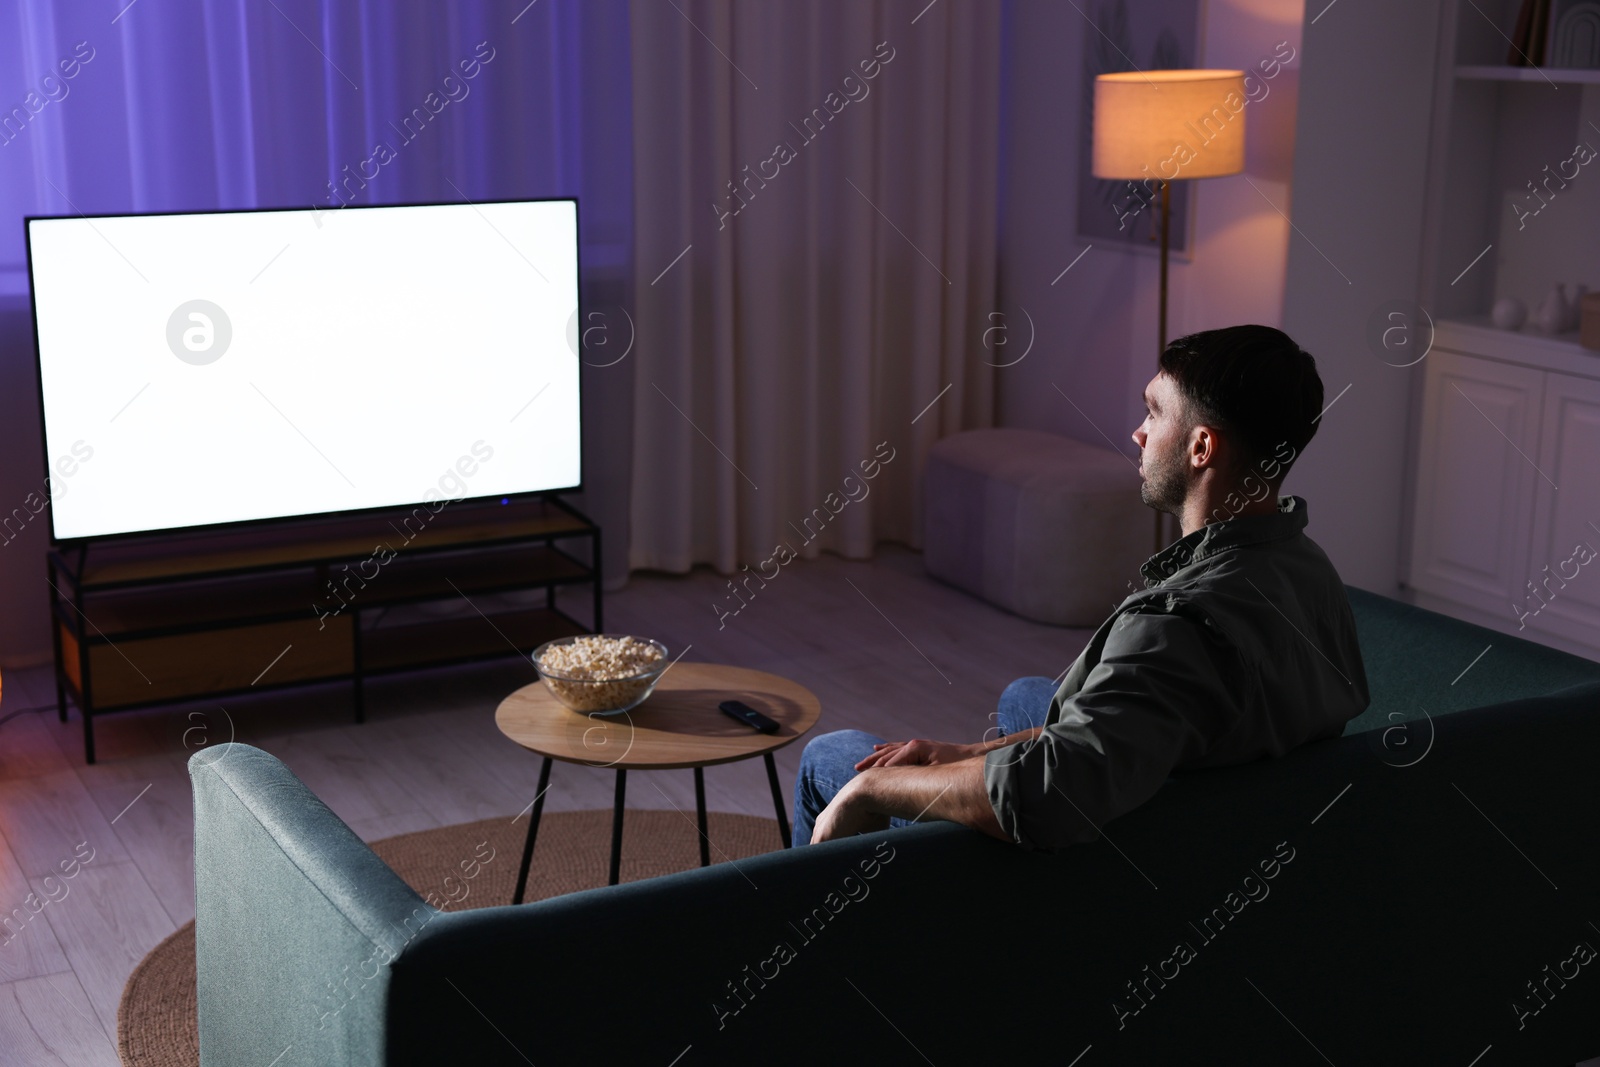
column 1233, row 532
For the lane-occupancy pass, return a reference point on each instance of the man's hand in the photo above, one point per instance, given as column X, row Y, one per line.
column 917, row 753
column 923, row 753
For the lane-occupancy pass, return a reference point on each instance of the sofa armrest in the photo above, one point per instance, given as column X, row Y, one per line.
column 1416, row 662
column 296, row 919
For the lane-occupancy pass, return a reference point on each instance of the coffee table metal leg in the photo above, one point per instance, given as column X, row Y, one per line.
column 700, row 815
column 777, row 800
column 533, row 830
column 616, row 827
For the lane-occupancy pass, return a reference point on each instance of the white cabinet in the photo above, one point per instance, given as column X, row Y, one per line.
column 1475, row 490
column 1564, row 565
column 1506, row 523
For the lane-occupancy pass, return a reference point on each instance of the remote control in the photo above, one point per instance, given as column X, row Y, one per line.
column 749, row 716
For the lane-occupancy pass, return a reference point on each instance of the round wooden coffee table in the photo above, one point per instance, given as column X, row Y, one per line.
column 678, row 726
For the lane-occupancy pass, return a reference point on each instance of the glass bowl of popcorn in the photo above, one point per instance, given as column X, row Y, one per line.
column 600, row 674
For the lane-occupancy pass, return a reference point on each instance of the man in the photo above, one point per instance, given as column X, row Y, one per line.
column 1241, row 646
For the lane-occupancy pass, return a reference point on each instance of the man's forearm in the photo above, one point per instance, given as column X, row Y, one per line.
column 954, row 792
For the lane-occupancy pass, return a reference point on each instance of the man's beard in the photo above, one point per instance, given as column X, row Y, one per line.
column 1163, row 487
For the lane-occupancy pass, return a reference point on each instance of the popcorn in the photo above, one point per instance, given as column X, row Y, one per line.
column 600, row 673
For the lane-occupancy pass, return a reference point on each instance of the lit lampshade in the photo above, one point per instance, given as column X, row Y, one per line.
column 1172, row 124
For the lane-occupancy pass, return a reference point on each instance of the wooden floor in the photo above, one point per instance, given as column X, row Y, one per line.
column 884, row 647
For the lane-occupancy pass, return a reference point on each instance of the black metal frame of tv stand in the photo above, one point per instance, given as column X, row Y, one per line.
column 469, row 545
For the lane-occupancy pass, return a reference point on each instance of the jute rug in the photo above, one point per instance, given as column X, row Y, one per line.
column 156, row 1020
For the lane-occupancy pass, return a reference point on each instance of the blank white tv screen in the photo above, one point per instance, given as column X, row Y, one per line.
column 217, row 368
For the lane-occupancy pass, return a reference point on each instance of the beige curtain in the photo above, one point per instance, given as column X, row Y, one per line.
column 816, row 203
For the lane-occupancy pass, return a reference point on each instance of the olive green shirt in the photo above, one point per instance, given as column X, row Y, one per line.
column 1241, row 646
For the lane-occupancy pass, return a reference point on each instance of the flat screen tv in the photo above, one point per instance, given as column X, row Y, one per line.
column 228, row 367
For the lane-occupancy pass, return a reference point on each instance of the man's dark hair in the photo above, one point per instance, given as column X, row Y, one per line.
column 1255, row 385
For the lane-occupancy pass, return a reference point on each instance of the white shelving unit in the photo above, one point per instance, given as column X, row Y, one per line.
column 1530, row 74
column 1505, row 456
column 1527, row 347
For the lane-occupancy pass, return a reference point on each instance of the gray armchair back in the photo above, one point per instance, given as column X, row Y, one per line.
column 296, row 920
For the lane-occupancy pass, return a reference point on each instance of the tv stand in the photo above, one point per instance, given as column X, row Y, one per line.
column 215, row 613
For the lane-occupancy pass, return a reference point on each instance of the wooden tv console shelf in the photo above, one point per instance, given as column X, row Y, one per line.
column 191, row 615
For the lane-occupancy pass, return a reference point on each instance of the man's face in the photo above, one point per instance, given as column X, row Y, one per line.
column 1163, row 439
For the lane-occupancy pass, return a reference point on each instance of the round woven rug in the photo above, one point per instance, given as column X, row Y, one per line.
column 156, row 1020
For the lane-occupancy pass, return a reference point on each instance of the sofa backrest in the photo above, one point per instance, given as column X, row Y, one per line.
column 1326, row 901
column 296, row 920
column 1415, row 659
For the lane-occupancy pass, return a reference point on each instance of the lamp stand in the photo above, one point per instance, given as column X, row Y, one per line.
column 1166, row 232
column 1138, row 117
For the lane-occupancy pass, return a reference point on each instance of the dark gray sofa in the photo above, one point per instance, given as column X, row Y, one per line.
column 1348, row 903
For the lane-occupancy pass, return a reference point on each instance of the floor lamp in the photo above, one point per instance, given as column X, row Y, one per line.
column 1160, row 126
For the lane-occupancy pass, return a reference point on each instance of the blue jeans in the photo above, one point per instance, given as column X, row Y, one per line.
column 829, row 760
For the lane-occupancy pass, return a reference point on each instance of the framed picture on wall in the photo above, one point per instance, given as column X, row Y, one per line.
column 1144, row 35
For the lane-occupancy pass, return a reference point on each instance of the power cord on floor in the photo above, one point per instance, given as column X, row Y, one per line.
column 23, row 711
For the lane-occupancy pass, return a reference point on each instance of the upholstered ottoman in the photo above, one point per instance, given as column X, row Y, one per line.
column 1044, row 526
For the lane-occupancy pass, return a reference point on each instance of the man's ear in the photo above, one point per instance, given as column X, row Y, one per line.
column 1202, row 447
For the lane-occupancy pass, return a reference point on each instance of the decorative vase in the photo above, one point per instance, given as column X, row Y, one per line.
column 1552, row 317
column 1590, row 335
column 1573, row 40
column 1575, row 309
column 1509, row 313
